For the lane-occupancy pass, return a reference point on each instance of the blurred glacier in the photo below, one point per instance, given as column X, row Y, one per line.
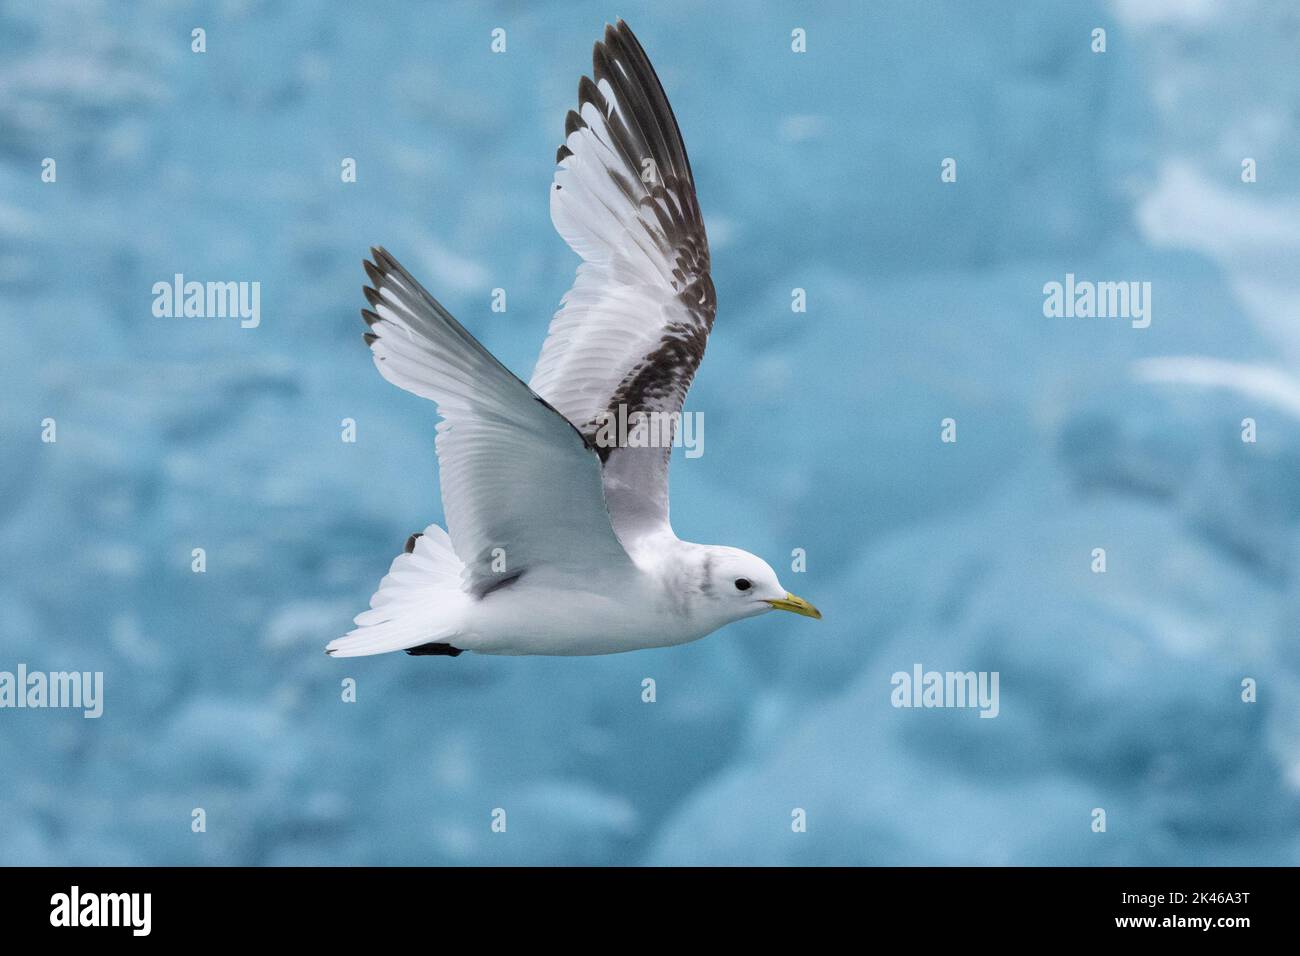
column 817, row 171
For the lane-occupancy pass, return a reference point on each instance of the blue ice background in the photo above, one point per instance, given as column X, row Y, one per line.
column 818, row 171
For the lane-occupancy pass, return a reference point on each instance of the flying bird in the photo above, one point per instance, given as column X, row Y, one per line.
column 558, row 539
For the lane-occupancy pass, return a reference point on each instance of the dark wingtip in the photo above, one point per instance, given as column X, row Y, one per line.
column 369, row 316
column 562, row 154
column 410, row 542
column 372, row 295
column 370, row 338
column 588, row 92
column 372, row 271
column 435, row 650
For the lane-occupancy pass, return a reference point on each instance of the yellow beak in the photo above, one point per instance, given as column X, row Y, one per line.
column 796, row 605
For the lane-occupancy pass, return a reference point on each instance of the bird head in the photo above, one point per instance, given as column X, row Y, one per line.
column 742, row 585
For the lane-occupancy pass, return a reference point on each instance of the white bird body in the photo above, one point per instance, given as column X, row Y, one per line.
column 608, row 612
column 613, row 612
column 654, row 603
column 558, row 542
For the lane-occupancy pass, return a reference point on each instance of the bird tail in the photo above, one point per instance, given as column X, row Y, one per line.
column 420, row 601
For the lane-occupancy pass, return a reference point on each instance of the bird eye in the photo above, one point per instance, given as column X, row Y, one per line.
column 743, row 584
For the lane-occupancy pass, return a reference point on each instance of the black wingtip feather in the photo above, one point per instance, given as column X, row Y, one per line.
column 435, row 650
column 370, row 338
column 589, row 93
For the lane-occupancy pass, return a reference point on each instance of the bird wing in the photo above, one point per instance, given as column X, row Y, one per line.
column 521, row 488
column 630, row 334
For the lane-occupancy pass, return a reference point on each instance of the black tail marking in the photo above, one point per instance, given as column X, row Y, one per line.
column 444, row 650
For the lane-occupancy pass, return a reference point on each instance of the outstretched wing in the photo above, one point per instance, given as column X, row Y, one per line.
column 631, row 332
column 516, row 476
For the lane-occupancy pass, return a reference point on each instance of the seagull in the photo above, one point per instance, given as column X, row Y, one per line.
column 558, row 540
